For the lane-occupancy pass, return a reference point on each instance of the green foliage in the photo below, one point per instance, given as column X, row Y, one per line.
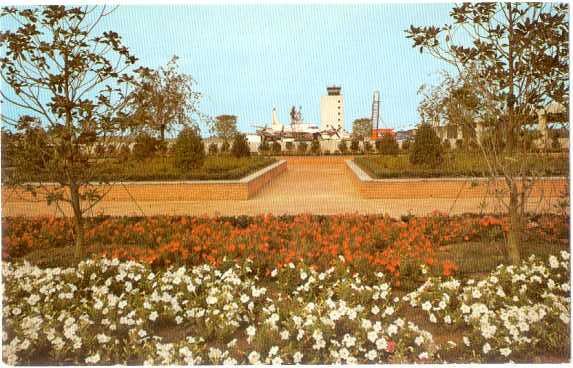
column 343, row 147
column 367, row 146
column 145, row 146
column 361, row 128
column 213, row 149
column 427, row 148
column 387, row 145
column 315, row 147
column 302, row 147
column 124, row 152
column 456, row 164
column 406, row 145
column 446, row 146
column 264, row 147
column 225, row 127
column 276, row 148
column 225, row 147
column 111, row 150
column 289, row 146
column 354, row 145
column 189, row 150
column 240, row 146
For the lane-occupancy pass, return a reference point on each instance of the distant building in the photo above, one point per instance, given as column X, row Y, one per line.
column 332, row 109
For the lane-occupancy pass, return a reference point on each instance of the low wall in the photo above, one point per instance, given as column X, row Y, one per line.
column 241, row 189
column 405, row 188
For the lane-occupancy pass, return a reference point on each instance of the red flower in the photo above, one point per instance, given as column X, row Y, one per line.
column 391, row 346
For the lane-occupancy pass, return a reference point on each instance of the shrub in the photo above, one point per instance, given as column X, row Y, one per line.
column 225, row 147
column 302, row 147
column 446, row 146
column 264, row 147
column 100, row 150
column 189, row 150
column 555, row 144
column 213, row 149
column 342, row 147
column 387, row 145
column 406, row 145
column 111, row 150
column 145, row 147
column 427, row 148
column 354, row 145
column 367, row 147
column 326, row 152
column 289, row 146
column 124, row 151
column 276, row 147
column 315, row 147
column 240, row 146
column 459, row 144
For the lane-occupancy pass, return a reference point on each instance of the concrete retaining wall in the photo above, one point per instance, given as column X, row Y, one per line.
column 241, row 189
column 368, row 187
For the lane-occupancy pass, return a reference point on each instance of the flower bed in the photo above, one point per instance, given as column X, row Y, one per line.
column 367, row 242
column 111, row 312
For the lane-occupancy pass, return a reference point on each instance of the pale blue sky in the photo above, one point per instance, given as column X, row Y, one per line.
column 248, row 58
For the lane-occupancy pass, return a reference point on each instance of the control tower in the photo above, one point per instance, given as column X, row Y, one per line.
column 332, row 109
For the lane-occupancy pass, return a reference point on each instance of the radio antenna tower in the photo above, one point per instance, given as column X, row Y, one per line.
column 375, row 110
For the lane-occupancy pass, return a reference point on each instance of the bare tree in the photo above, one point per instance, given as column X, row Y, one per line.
column 67, row 87
column 516, row 56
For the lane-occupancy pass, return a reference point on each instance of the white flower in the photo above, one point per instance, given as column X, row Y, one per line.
column 251, row 331
column 448, row 319
column 16, row 311
column 371, row 355
column 466, row 341
column 244, row 298
column 274, row 273
column 277, row 361
column 392, row 329
column 465, row 309
column 214, row 354
column 211, row 300
column 427, row 306
column 423, row 355
column 153, row 316
column 372, row 336
column 433, row 318
column 505, row 351
column 564, row 255
column 375, row 310
column 102, row 338
column 564, row 317
column 284, row 334
column 142, row 333
column 476, row 294
column 229, row 361
column 93, row 359
column 389, row 311
column 254, row 357
column 273, row 350
column 553, row 262
column 418, row 340
column 486, row 348
column 381, row 344
column 297, row 357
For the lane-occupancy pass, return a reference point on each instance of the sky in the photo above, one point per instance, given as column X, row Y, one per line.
column 247, row 59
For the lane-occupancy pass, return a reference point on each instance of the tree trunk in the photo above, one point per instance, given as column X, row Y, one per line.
column 162, row 132
column 515, row 221
column 78, row 220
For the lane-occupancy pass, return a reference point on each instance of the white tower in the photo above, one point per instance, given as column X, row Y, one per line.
column 332, row 109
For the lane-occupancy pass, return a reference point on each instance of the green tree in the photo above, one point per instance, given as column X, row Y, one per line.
column 276, row 148
column 73, row 84
column 163, row 100
column 315, row 147
column 302, row 147
column 189, row 150
column 240, row 147
column 145, row 146
column 355, row 145
column 515, row 57
column 213, row 148
column 343, row 147
column 406, row 145
column 388, row 145
column 361, row 128
column 264, row 147
column 224, row 127
column 427, row 148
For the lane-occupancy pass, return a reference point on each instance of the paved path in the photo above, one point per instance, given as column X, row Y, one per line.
column 318, row 185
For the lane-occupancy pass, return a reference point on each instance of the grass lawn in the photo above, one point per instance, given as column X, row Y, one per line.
column 454, row 165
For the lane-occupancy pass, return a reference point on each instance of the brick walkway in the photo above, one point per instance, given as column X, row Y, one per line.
column 318, row 185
